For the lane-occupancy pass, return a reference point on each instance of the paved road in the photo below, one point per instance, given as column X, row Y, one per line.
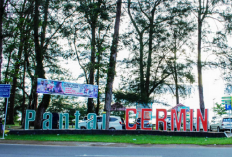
column 15, row 150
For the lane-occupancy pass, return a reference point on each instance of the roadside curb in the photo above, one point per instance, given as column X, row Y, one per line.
column 99, row 144
column 119, row 132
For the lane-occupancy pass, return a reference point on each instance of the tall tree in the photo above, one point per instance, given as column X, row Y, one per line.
column 149, row 22
column 23, row 12
column 44, row 22
column 102, row 55
column 218, row 11
column 94, row 14
column 202, row 12
column 180, row 30
column 92, row 20
column 3, row 5
column 39, row 71
column 112, row 64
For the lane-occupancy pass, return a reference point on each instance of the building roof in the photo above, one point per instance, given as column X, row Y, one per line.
column 176, row 107
column 117, row 107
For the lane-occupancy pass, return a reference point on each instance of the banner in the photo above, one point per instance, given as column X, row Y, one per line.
column 66, row 88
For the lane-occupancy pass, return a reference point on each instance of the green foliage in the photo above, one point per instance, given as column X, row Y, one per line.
column 66, row 104
column 127, row 98
column 118, row 113
column 219, row 109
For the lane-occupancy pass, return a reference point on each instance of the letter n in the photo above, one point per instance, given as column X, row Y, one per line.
column 203, row 121
column 61, row 115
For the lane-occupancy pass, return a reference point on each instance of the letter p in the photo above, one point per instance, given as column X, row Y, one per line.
column 29, row 118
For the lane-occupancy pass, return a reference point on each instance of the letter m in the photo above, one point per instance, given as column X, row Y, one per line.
column 178, row 122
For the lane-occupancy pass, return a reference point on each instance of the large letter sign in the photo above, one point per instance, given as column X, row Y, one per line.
column 142, row 119
column 178, row 122
column 127, row 119
column 47, row 124
column 66, row 115
column 161, row 115
column 191, row 119
column 93, row 121
column 163, row 120
column 104, row 121
column 28, row 118
column 77, row 115
column 203, row 121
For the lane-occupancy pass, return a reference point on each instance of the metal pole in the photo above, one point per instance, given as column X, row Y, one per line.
column 5, row 119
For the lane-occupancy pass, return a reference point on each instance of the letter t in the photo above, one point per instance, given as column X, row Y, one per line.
column 77, row 115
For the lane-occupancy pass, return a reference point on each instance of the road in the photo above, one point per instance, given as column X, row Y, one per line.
column 19, row 150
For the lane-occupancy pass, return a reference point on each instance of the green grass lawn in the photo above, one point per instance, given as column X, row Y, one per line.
column 135, row 139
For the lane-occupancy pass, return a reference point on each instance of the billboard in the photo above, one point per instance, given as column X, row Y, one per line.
column 45, row 86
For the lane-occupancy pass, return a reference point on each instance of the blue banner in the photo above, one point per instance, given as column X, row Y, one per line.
column 66, row 88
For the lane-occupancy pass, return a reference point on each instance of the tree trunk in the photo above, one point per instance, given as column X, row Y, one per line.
column 29, row 72
column 24, row 95
column 199, row 66
column 97, row 79
column 177, row 86
column 24, row 77
column 112, row 65
column 147, row 83
column 40, row 111
column 142, row 91
column 92, row 68
column 91, row 108
column 15, row 76
column 149, row 59
column 175, row 73
column 2, row 9
column 39, row 71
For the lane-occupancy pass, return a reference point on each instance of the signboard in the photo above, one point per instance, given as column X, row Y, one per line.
column 5, row 90
column 228, row 106
column 66, row 88
column 92, row 119
column 5, row 93
column 227, row 102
